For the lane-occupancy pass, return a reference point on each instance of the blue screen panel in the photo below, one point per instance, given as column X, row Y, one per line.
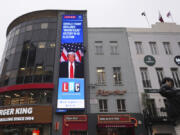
column 72, row 29
column 70, row 93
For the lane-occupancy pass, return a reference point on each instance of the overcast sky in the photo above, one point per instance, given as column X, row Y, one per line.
column 101, row 13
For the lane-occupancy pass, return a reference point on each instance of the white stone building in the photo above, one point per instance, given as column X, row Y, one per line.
column 153, row 52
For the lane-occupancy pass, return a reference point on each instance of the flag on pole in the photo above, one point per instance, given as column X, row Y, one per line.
column 168, row 14
column 143, row 14
column 160, row 18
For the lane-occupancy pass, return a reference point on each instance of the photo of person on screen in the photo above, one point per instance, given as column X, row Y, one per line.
column 71, row 68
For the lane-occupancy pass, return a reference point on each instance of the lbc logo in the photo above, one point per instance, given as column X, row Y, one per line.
column 70, row 87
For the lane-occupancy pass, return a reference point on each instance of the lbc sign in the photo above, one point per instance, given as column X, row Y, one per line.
column 71, row 93
column 70, row 87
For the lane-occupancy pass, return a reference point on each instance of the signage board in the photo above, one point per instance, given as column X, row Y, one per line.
column 71, row 93
column 113, row 118
column 149, row 60
column 75, row 118
column 71, row 64
column 177, row 60
column 25, row 115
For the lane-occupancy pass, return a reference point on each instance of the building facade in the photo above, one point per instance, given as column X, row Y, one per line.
column 112, row 84
column 155, row 53
column 60, row 77
column 30, row 74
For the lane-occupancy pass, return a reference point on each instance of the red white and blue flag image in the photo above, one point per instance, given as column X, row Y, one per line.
column 76, row 48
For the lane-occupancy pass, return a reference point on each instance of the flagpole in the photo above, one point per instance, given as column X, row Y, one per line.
column 172, row 18
column 147, row 21
column 144, row 14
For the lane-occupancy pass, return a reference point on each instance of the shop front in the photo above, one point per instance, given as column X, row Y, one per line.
column 75, row 125
column 115, row 125
column 26, row 120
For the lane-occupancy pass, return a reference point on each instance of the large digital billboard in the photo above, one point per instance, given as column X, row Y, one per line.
column 72, row 29
column 71, row 64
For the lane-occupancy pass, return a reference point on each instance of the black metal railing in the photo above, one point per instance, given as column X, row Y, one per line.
column 156, row 116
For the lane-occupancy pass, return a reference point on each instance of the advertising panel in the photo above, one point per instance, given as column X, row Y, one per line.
column 25, row 115
column 71, row 67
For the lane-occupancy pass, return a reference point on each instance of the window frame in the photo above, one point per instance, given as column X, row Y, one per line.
column 167, row 48
column 101, row 75
column 121, row 105
column 103, row 105
column 153, row 47
column 176, row 77
column 114, row 47
column 98, row 47
column 160, row 74
column 139, row 47
column 117, row 71
column 145, row 77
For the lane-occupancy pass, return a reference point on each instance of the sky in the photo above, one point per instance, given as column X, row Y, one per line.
column 100, row 13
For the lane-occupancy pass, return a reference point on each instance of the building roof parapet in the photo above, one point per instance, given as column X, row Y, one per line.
column 158, row 27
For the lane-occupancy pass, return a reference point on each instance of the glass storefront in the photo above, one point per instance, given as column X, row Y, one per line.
column 25, row 130
column 26, row 97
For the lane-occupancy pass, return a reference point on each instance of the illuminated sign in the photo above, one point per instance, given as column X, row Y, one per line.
column 113, row 118
column 25, row 114
column 70, row 93
column 75, row 118
column 71, row 66
column 72, row 29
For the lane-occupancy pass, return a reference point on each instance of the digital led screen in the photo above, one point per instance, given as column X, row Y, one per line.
column 72, row 29
column 71, row 64
column 71, row 93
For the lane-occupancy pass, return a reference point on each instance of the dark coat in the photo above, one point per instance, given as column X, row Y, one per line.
column 173, row 100
column 63, row 70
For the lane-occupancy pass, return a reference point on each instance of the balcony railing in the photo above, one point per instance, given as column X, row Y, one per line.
column 156, row 116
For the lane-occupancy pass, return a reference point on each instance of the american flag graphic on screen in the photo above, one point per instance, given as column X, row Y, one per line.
column 76, row 48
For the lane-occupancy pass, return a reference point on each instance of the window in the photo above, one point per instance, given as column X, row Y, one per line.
column 103, row 105
column 26, row 97
column 176, row 77
column 139, row 48
column 167, row 48
column 145, row 78
column 153, row 47
column 41, row 44
column 179, row 44
column 121, row 106
column 114, row 47
column 152, row 107
column 99, row 47
column 17, row 32
column 29, row 28
column 117, row 75
column 100, row 75
column 44, row 25
column 52, row 45
column 160, row 74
